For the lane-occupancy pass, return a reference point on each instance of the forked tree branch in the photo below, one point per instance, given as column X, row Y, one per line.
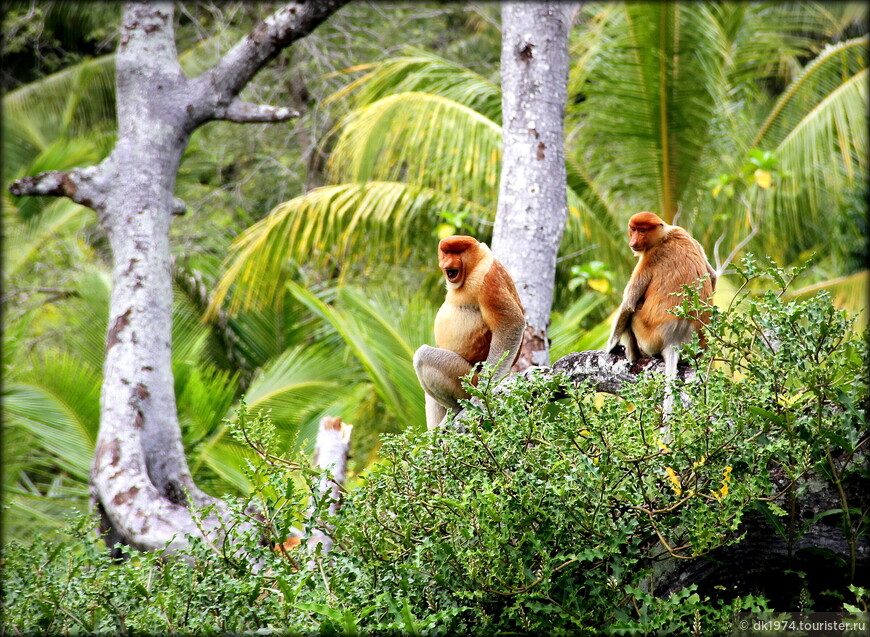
column 217, row 89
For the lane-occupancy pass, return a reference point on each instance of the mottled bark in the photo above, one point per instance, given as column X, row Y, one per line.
column 140, row 481
column 532, row 206
column 606, row 372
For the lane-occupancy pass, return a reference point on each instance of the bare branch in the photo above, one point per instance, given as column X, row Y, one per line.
column 754, row 228
column 178, row 206
column 244, row 112
column 294, row 21
column 77, row 184
column 48, row 183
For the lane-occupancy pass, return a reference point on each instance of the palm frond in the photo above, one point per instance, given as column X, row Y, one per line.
column 376, row 219
column 299, row 379
column 58, row 403
column 29, row 507
column 422, row 71
column 219, row 467
column 834, row 67
column 835, row 128
column 848, row 292
column 86, row 336
column 293, row 389
column 766, row 41
column 385, row 354
column 76, row 101
column 567, row 333
column 649, row 95
column 821, row 120
column 592, row 221
column 204, row 396
column 422, row 139
column 59, row 217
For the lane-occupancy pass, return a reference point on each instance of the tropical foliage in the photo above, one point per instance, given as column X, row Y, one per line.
column 529, row 522
column 735, row 118
column 671, row 103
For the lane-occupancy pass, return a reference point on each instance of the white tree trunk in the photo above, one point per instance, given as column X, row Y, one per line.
column 140, row 480
column 532, row 204
column 330, row 452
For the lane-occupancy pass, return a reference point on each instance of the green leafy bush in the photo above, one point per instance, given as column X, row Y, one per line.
column 556, row 511
column 548, row 513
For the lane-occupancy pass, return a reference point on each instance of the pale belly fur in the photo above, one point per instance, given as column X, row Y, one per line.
column 461, row 329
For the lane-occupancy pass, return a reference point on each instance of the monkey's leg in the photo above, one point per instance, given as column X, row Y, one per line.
column 435, row 412
column 672, row 360
column 632, row 349
column 439, row 371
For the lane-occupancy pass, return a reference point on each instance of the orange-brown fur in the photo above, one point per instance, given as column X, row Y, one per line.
column 669, row 259
column 485, row 298
column 670, row 263
column 481, row 318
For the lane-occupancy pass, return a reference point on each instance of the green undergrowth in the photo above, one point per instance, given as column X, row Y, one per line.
column 556, row 511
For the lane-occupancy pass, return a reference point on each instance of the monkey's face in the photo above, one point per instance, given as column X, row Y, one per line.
column 454, row 258
column 644, row 231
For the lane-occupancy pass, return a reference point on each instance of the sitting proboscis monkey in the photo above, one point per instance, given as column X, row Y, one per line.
column 481, row 319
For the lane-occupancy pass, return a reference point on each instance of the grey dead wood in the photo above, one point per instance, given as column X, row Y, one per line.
column 140, row 481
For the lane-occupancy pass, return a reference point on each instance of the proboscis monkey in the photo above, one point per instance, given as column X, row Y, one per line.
column 669, row 258
column 481, row 319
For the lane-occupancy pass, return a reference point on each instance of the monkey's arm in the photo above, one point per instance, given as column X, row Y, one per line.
column 634, row 292
column 503, row 314
column 507, row 338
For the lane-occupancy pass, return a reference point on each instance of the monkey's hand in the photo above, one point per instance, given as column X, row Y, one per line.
column 613, row 343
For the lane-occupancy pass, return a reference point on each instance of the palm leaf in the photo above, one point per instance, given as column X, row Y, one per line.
column 375, row 139
column 78, row 99
column 29, row 507
column 292, row 389
column 59, row 217
column 204, row 396
column 58, row 403
column 821, row 118
column 831, row 68
column 650, row 94
column 768, row 40
column 592, row 221
column 302, row 377
column 219, row 467
column 332, row 221
column 422, row 71
column 566, row 331
column 848, row 292
column 384, row 353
